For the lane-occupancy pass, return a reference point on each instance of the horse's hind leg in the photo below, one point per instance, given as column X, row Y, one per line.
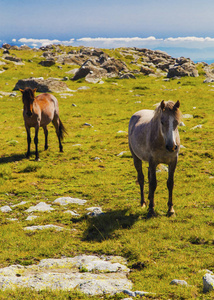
column 170, row 185
column 56, row 123
column 152, row 187
column 138, row 167
column 36, row 142
column 28, row 142
column 46, row 136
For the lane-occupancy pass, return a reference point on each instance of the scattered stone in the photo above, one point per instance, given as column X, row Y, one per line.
column 42, row 206
column 43, row 227
column 87, row 124
column 121, row 131
column 84, row 88
column 5, row 209
column 187, row 116
column 69, row 200
column 178, row 282
column 208, row 282
column 162, row 168
column 94, row 211
column 196, row 127
column 136, row 293
column 129, row 293
column 122, row 153
column 31, row 218
column 19, row 204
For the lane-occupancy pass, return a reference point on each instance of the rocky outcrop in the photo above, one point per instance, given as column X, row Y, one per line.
column 98, row 66
column 91, row 275
column 95, row 64
column 182, row 67
column 42, row 85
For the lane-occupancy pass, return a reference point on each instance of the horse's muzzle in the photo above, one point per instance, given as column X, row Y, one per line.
column 171, row 148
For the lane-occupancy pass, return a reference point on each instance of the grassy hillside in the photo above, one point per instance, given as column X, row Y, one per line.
column 90, row 168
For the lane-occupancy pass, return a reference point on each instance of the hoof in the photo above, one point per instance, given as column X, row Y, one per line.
column 37, row 159
column 151, row 214
column 171, row 214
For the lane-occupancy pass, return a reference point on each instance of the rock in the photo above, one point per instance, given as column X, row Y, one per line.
column 94, row 211
column 42, row 85
column 31, row 218
column 197, row 127
column 208, row 282
column 6, row 46
column 87, row 124
column 5, row 209
column 67, row 274
column 178, row 282
column 69, row 200
column 146, row 70
column 127, row 76
column 122, row 153
column 43, row 227
column 187, row 116
column 182, row 68
column 42, row 206
column 13, row 58
column 90, row 71
column 48, row 62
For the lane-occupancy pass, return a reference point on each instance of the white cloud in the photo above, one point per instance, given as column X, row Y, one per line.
column 149, row 42
column 43, row 42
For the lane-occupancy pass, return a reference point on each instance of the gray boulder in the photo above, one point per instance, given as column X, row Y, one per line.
column 48, row 62
column 208, row 282
column 42, row 85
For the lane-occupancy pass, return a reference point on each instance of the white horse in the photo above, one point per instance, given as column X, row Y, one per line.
column 154, row 137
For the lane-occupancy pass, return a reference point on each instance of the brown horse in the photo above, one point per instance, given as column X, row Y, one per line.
column 40, row 111
column 154, row 137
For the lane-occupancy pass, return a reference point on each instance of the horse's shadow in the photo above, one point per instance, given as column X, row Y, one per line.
column 11, row 158
column 103, row 227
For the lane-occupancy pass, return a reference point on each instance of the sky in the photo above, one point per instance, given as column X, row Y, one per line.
column 179, row 27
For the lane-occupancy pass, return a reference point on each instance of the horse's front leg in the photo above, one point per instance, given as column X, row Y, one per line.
column 36, row 142
column 170, row 185
column 28, row 141
column 152, row 187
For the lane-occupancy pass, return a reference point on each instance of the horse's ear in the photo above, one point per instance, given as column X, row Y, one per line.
column 177, row 104
column 162, row 105
column 22, row 91
column 34, row 90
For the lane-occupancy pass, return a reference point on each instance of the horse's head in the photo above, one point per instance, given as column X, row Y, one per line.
column 170, row 118
column 28, row 96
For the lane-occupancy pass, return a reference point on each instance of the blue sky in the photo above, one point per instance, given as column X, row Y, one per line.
column 146, row 23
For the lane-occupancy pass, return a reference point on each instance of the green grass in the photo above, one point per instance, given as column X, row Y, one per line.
column 168, row 248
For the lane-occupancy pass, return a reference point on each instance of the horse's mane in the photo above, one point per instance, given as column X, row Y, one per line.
column 170, row 108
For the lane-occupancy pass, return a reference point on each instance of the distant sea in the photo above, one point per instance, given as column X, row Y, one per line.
column 195, row 54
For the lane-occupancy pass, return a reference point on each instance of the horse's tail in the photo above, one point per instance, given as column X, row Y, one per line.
column 62, row 130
